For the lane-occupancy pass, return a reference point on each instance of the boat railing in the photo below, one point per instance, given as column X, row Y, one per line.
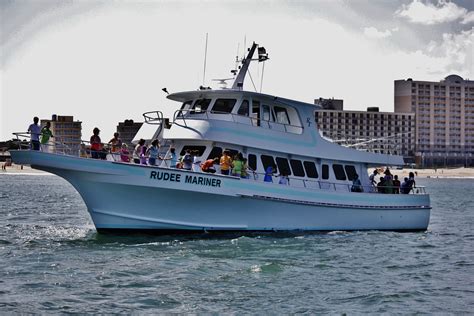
column 56, row 145
column 153, row 117
column 194, row 114
column 333, row 186
column 107, row 153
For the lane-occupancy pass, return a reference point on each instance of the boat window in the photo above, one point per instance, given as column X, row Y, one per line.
column 339, row 172
column 350, row 171
column 268, row 161
column 200, row 106
column 232, row 152
column 199, row 150
column 252, row 162
column 216, row 152
column 267, row 114
column 256, row 113
column 281, row 115
column 297, row 167
column 184, row 106
column 311, row 170
column 325, row 172
column 244, row 108
column 223, row 106
column 283, row 166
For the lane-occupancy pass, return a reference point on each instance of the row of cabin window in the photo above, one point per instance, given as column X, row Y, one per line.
column 292, row 167
column 274, row 113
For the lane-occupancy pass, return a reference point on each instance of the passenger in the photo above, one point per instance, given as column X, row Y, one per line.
column 411, row 181
column 381, row 186
column 124, row 153
column 208, row 165
column 396, row 185
column 225, row 163
column 116, row 144
column 138, row 151
column 143, row 154
column 244, row 174
column 268, row 174
column 173, row 158
column 152, row 152
column 96, row 144
column 404, row 187
column 388, row 181
column 372, row 177
column 46, row 134
column 187, row 160
column 237, row 165
column 284, row 179
column 356, row 184
column 196, row 161
column 35, row 131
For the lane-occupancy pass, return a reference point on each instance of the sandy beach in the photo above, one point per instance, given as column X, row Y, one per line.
column 25, row 170
column 434, row 173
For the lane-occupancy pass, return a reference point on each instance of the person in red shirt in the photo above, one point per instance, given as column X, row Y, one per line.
column 208, row 165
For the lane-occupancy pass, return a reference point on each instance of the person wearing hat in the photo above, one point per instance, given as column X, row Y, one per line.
column 96, row 144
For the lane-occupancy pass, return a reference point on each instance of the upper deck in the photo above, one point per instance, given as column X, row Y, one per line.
column 261, row 121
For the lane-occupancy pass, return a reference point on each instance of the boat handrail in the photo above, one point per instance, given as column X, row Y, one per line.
column 184, row 114
column 156, row 119
column 308, row 183
column 56, row 145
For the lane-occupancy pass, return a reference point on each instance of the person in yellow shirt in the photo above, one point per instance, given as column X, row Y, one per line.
column 225, row 163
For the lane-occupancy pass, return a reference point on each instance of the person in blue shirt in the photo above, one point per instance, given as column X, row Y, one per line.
column 268, row 175
column 152, row 152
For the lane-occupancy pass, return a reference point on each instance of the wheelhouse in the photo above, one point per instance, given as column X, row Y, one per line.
column 241, row 108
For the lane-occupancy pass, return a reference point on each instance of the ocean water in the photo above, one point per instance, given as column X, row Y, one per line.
column 53, row 261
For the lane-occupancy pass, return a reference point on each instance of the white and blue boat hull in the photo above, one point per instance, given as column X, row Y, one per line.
column 131, row 197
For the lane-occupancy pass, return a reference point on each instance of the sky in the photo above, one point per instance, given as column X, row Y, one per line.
column 107, row 61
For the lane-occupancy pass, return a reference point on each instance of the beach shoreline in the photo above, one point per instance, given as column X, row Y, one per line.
column 22, row 170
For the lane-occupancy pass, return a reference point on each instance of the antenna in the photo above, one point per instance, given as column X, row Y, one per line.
column 205, row 61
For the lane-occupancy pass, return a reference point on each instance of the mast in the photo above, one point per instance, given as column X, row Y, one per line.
column 239, row 80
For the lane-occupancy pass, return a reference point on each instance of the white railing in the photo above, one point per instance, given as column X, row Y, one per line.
column 108, row 156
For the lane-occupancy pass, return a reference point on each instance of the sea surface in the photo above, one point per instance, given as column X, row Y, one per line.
column 53, row 261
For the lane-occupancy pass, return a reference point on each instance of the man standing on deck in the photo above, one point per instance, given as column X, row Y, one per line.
column 35, row 131
column 46, row 134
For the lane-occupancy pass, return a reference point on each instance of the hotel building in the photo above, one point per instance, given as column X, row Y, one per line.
column 444, row 111
column 374, row 131
column 127, row 130
column 67, row 134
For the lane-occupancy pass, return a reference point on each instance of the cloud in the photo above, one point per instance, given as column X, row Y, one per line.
column 430, row 14
column 372, row 32
column 468, row 18
column 457, row 51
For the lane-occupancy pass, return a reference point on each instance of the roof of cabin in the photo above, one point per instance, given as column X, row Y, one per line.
column 191, row 95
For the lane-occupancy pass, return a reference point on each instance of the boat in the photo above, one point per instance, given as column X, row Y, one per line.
column 269, row 131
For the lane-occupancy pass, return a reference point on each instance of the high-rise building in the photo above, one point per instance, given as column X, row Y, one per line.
column 444, row 111
column 330, row 104
column 67, row 134
column 127, row 130
column 374, row 131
